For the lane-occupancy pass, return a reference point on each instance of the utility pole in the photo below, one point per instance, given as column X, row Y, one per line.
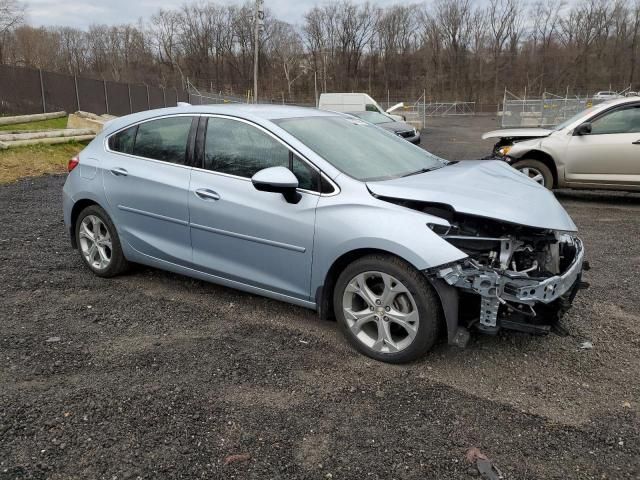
column 258, row 21
column 315, row 86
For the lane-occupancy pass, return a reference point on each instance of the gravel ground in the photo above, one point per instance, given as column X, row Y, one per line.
column 153, row 375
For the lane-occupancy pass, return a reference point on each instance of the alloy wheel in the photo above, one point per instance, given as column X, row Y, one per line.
column 380, row 312
column 534, row 174
column 95, row 242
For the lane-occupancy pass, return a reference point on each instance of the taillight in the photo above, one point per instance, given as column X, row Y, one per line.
column 73, row 163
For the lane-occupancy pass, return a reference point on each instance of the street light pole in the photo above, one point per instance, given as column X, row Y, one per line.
column 258, row 23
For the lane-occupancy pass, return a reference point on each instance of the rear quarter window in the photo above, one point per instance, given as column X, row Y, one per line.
column 123, row 141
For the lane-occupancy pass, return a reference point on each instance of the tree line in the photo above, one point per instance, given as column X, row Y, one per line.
column 449, row 49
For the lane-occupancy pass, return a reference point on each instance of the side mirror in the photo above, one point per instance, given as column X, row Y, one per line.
column 277, row 180
column 583, row 129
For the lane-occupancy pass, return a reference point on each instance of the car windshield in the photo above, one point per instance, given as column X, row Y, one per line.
column 359, row 149
column 576, row 117
column 373, row 117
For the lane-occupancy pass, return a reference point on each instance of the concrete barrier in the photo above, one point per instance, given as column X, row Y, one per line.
column 31, row 118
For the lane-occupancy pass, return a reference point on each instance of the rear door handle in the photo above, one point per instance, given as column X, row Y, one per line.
column 119, row 172
column 207, row 194
column 637, row 142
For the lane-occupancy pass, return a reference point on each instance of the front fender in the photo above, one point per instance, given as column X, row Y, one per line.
column 520, row 149
column 343, row 228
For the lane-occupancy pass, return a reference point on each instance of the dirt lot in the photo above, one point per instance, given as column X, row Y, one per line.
column 152, row 375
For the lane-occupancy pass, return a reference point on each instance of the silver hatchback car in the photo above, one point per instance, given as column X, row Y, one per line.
column 328, row 212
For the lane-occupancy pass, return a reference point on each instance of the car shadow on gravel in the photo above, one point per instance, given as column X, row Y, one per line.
column 601, row 196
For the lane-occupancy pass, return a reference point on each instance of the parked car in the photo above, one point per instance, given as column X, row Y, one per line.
column 597, row 148
column 354, row 102
column 606, row 95
column 382, row 120
column 326, row 212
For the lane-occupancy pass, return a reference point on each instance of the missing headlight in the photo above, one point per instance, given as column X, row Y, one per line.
column 439, row 229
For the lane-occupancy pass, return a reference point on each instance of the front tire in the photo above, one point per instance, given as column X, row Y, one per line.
column 536, row 171
column 98, row 242
column 387, row 309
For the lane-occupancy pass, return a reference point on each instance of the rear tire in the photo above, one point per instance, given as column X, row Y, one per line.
column 98, row 243
column 537, row 171
column 387, row 309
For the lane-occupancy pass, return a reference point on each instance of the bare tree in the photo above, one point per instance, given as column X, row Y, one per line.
column 452, row 49
column 634, row 41
column 11, row 15
column 502, row 16
column 285, row 46
column 453, row 18
column 164, row 28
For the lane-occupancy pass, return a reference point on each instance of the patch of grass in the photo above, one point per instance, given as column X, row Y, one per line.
column 33, row 160
column 52, row 124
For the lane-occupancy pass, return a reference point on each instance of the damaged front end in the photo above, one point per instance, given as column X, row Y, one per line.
column 514, row 277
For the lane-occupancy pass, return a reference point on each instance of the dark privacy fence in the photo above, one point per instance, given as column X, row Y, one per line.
column 27, row 91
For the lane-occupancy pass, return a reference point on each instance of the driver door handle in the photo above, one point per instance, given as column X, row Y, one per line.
column 637, row 142
column 119, row 172
column 207, row 194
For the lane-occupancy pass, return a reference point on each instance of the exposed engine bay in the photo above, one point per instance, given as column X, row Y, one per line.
column 514, row 277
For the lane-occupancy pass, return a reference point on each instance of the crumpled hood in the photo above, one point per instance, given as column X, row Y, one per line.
column 518, row 133
column 490, row 189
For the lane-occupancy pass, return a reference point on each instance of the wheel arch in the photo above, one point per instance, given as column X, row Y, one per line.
column 324, row 293
column 78, row 207
column 543, row 157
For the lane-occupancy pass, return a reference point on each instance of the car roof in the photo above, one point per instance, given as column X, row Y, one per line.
column 617, row 101
column 243, row 110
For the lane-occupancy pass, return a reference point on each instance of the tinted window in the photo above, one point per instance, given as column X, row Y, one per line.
column 359, row 149
column 123, row 141
column 237, row 148
column 164, row 139
column 623, row 120
column 307, row 177
column 325, row 186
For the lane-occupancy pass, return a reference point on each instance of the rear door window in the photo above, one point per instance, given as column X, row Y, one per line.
column 165, row 139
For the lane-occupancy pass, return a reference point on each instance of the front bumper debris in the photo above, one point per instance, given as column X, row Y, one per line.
column 512, row 292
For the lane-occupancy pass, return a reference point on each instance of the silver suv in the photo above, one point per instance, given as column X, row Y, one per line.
column 597, row 148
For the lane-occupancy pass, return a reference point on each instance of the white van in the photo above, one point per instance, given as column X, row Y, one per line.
column 354, row 102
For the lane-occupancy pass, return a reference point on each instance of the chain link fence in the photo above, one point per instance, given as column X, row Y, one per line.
column 415, row 112
column 27, row 91
column 548, row 111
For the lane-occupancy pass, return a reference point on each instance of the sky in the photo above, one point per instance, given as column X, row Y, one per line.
column 82, row 13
